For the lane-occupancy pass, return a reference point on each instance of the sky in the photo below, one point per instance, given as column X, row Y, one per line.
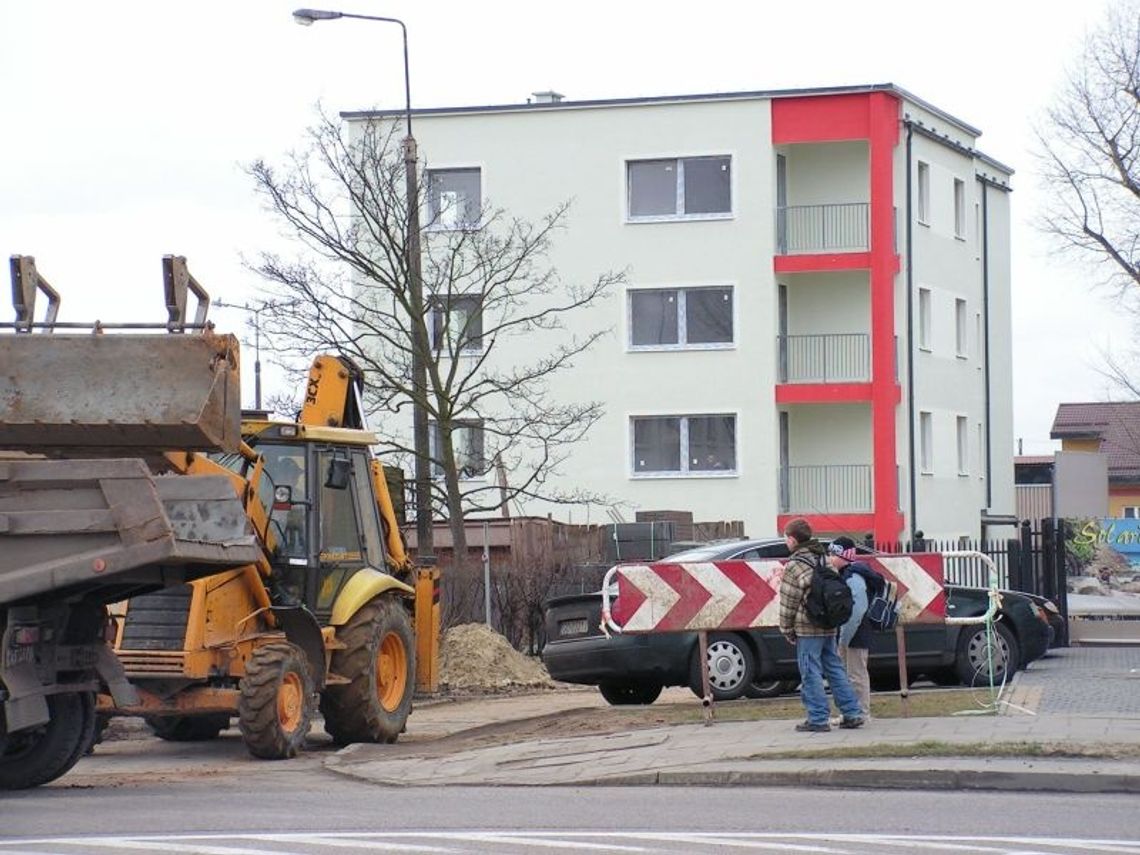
column 128, row 125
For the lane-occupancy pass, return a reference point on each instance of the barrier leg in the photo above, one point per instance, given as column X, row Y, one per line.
column 706, row 688
column 904, row 690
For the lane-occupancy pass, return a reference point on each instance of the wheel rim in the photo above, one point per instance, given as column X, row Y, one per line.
column 290, row 702
column 726, row 665
column 391, row 672
column 978, row 653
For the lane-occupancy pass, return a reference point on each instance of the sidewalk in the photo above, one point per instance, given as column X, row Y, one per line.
column 733, row 752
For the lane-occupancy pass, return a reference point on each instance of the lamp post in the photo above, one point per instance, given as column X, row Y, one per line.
column 256, row 312
column 424, row 534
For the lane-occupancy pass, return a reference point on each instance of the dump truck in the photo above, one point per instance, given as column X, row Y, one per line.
column 160, row 556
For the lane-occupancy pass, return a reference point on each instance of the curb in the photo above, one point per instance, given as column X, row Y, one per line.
column 889, row 779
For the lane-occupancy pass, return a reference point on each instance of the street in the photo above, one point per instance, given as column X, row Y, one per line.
column 298, row 808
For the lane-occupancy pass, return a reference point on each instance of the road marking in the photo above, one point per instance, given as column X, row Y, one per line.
column 349, row 842
column 166, row 844
column 726, row 840
column 545, row 840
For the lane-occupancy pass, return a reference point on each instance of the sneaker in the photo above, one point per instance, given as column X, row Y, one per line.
column 808, row 727
column 836, row 720
column 851, row 723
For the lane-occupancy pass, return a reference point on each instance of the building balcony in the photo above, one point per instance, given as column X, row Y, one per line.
column 835, row 489
column 835, row 358
column 815, row 229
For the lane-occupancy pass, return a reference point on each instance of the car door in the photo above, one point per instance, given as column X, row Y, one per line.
column 777, row 658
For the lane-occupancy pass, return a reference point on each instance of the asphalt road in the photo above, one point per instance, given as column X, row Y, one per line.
column 303, row 809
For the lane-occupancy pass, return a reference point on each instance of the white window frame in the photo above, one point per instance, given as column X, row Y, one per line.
column 682, row 320
column 923, row 181
column 679, row 205
column 961, row 329
column 926, row 442
column 434, row 450
column 925, row 318
column 434, row 225
column 437, row 314
column 963, row 437
column 684, row 471
column 1135, row 512
column 959, row 209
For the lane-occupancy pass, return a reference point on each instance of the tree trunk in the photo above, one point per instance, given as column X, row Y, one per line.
column 454, row 502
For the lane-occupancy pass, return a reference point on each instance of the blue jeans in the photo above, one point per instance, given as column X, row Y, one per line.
column 817, row 658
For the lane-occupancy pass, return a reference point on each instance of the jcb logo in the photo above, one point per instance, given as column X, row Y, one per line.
column 311, row 390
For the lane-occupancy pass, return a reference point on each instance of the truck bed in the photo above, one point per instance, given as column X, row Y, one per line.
column 109, row 528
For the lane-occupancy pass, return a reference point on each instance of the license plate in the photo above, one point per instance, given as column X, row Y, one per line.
column 573, row 627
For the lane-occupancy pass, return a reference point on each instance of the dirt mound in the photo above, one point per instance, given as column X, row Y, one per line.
column 475, row 657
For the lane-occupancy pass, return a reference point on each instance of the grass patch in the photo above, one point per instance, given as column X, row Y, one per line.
column 933, row 748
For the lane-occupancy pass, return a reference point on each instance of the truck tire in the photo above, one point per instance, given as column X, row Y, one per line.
column 39, row 755
column 187, row 728
column 275, row 708
column 379, row 661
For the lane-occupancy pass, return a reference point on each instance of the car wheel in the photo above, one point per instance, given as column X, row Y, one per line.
column 630, row 694
column 731, row 668
column 975, row 653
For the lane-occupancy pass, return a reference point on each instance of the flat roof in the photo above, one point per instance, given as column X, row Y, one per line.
column 668, row 99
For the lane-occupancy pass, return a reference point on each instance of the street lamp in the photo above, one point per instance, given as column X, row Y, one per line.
column 424, row 534
column 256, row 312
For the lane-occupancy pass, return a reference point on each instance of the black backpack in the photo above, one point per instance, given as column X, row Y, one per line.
column 828, row 601
column 882, row 598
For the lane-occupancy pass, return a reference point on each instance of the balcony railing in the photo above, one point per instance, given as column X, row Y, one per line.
column 822, row 228
column 843, row 489
column 837, row 358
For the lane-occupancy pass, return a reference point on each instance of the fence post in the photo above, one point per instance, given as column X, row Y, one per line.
column 1061, row 580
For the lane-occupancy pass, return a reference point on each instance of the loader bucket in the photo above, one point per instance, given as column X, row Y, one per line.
column 116, row 392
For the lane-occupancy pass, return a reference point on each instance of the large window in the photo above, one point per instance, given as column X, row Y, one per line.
column 924, row 318
column 959, row 208
column 694, row 317
column 679, row 187
column 963, row 445
column 454, row 198
column 684, row 445
column 467, row 442
column 961, row 334
column 923, row 193
column 926, row 440
column 456, row 323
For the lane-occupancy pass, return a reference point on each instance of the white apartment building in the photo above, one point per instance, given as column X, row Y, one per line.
column 817, row 315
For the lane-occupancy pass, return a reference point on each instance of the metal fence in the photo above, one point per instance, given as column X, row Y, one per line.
column 834, row 358
column 825, row 489
column 822, row 228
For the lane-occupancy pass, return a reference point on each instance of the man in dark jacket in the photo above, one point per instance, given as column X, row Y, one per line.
column 815, row 645
column 855, row 635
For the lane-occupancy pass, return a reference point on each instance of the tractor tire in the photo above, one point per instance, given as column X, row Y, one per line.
column 379, row 660
column 39, row 755
column 188, row 728
column 275, row 710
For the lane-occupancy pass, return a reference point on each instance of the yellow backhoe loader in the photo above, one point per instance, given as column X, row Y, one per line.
column 250, row 569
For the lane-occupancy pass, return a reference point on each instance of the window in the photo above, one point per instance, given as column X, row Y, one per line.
column 456, row 323
column 454, row 198
column 682, row 317
column 963, row 446
column 926, row 439
column 684, row 445
column 1132, row 512
column 681, row 187
column 924, row 193
column 924, row 335
column 961, row 334
column 959, row 208
column 467, row 443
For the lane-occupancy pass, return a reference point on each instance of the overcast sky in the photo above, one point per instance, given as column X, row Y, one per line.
column 126, row 124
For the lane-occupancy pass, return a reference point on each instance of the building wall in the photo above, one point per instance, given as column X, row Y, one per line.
column 535, row 159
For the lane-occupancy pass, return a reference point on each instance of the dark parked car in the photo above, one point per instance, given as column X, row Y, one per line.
column 632, row 669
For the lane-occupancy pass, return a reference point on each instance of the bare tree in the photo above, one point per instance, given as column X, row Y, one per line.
column 1090, row 151
column 492, row 316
